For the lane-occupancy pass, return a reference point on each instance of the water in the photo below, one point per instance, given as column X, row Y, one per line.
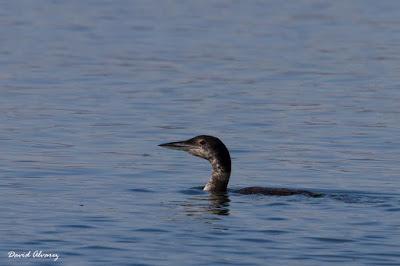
column 305, row 94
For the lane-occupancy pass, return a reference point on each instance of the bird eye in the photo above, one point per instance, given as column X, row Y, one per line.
column 202, row 142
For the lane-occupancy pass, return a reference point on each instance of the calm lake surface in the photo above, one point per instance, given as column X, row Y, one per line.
column 306, row 94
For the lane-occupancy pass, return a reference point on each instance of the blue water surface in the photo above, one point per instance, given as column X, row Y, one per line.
column 306, row 94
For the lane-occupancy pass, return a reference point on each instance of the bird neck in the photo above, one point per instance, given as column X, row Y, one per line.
column 221, row 171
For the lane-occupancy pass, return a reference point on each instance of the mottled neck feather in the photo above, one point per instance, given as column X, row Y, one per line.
column 221, row 171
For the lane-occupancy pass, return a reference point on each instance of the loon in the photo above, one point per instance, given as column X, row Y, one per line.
column 214, row 150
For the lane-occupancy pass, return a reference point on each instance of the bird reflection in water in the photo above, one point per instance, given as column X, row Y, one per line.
column 215, row 204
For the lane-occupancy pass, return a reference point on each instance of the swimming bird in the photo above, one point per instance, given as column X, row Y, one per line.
column 214, row 150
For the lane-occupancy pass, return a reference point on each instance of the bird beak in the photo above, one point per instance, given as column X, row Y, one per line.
column 178, row 145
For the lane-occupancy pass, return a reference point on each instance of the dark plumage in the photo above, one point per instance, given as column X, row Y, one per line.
column 215, row 151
